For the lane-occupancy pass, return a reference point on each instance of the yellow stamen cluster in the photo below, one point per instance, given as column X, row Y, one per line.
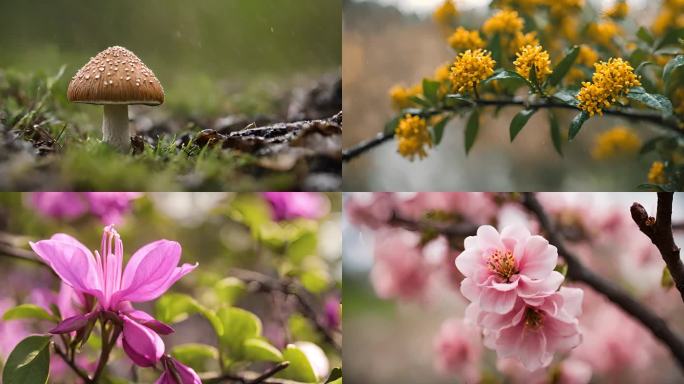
column 471, row 67
column 656, row 175
column 504, row 21
column 611, row 80
column 617, row 11
column 445, row 14
column 465, row 39
column 413, row 137
column 615, row 142
column 533, row 56
column 401, row 95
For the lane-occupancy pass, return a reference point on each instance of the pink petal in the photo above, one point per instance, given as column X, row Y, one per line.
column 151, row 271
column 469, row 261
column 540, row 287
column 186, row 374
column 142, row 344
column 488, row 238
column 165, row 378
column 538, row 258
column 493, row 300
column 73, row 323
column 75, row 267
column 470, row 290
column 516, row 232
column 150, row 322
column 572, row 300
column 532, row 350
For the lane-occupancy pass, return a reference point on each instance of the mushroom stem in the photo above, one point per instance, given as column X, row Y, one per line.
column 115, row 126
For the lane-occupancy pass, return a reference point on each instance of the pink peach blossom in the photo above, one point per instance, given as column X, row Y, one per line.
column 499, row 268
column 533, row 330
column 458, row 349
column 372, row 210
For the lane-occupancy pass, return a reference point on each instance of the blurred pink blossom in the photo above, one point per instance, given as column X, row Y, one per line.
column 369, row 209
column 292, row 205
column 109, row 207
column 11, row 331
column 458, row 349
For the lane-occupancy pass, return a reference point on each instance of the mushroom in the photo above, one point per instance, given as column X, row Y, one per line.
column 115, row 78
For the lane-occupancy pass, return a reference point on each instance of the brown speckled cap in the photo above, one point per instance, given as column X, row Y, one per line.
column 115, row 76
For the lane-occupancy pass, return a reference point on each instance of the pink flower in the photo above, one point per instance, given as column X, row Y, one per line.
column 109, row 207
column 499, row 268
column 533, row 331
column 400, row 270
column 370, row 209
column 477, row 207
column 174, row 370
column 458, row 349
column 149, row 273
column 291, row 205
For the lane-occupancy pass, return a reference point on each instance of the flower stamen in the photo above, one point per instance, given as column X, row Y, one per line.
column 502, row 264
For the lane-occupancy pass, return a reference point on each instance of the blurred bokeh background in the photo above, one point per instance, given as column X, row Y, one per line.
column 392, row 340
column 232, row 236
column 212, row 56
column 396, row 42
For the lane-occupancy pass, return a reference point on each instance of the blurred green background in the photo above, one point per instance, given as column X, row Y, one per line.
column 202, row 52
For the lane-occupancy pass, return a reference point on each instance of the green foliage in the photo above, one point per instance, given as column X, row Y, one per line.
column 300, row 368
column 176, row 307
column 666, row 280
column 471, row 130
column 28, row 311
column 438, row 130
column 258, row 349
column 519, row 121
column 555, row 132
column 563, row 66
column 29, row 362
column 654, row 101
column 239, row 326
column 577, row 123
column 195, row 355
column 229, row 290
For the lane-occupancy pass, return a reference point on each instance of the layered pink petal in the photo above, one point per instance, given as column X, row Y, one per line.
column 151, row 271
column 529, row 288
column 470, row 290
column 493, row 300
column 69, row 261
column 165, row 378
column 148, row 321
column 469, row 261
column 141, row 344
column 538, row 258
column 488, row 238
column 186, row 374
column 572, row 300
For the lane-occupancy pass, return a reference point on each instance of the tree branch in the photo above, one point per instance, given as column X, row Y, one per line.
column 252, row 377
column 72, row 364
column 627, row 113
column 267, row 283
column 578, row 272
column 659, row 230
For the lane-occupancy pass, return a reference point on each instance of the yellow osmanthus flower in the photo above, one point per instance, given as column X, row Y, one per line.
column 442, row 72
column 400, row 95
column 587, row 56
column 465, row 39
column 611, row 80
column 445, row 14
column 618, row 11
column 605, row 31
column 614, row 142
column 505, row 21
column 523, row 39
column 413, row 137
column 656, row 174
column 563, row 7
column 533, row 55
column 471, row 67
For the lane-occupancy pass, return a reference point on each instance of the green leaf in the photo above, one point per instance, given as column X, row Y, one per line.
column 505, row 74
column 29, row 311
column 577, row 123
column 666, row 280
column 554, row 128
column 302, row 247
column 257, row 349
column 672, row 68
column 460, row 98
column 645, row 36
column 335, row 375
column 566, row 97
column 420, row 101
column 228, row 290
column 438, row 130
column 672, row 37
column 430, row 90
column 651, row 145
column 494, row 46
column 652, row 100
column 650, row 187
column 519, row 121
column 238, row 326
column 29, row 362
column 315, row 280
column 564, row 66
column 195, row 355
column 391, row 125
column 471, row 130
column 176, row 307
column 54, row 79
column 562, row 269
column 300, row 368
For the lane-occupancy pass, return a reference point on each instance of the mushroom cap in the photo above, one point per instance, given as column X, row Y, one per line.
column 115, row 76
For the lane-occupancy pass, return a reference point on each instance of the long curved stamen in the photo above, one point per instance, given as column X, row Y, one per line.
column 109, row 262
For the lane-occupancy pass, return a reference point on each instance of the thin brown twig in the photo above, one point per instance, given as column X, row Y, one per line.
column 271, row 372
column 659, row 230
column 267, row 283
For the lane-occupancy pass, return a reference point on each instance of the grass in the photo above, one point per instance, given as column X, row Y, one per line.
column 49, row 143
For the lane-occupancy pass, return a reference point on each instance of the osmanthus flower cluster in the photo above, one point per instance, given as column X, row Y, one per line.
column 515, row 296
column 105, row 291
column 594, row 65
